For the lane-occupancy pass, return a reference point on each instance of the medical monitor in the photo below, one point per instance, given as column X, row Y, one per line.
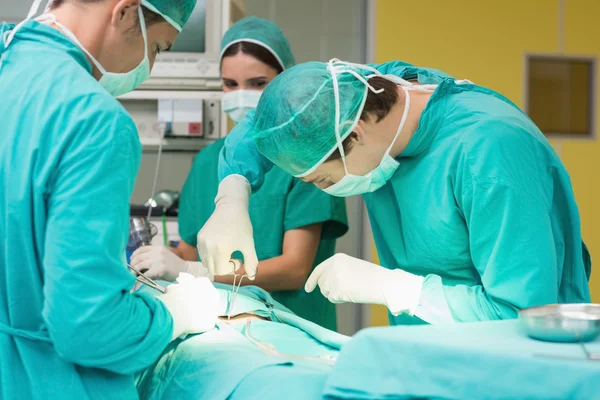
column 193, row 61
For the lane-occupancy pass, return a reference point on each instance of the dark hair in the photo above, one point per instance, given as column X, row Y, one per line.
column 377, row 106
column 150, row 17
column 255, row 50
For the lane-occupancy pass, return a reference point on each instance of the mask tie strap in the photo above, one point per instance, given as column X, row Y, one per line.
column 355, row 66
column 402, row 120
column 334, row 71
column 336, row 97
column 9, row 36
column 51, row 19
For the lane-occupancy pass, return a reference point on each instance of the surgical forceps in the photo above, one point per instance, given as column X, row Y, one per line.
column 140, row 277
column 237, row 264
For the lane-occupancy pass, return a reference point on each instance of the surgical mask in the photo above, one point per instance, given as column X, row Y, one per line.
column 237, row 103
column 116, row 83
column 350, row 184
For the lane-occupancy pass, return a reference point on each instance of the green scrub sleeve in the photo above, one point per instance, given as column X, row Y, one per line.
column 512, row 248
column 306, row 205
column 240, row 155
column 92, row 318
column 197, row 200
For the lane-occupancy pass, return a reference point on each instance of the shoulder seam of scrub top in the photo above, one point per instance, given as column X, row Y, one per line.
column 422, row 139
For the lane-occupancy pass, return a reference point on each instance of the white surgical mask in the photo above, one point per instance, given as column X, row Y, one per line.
column 237, row 103
column 115, row 83
column 350, row 184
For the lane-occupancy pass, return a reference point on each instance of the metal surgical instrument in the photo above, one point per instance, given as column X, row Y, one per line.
column 140, row 277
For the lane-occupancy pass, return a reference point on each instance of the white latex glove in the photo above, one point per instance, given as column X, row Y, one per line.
column 158, row 262
column 229, row 229
column 342, row 278
column 193, row 304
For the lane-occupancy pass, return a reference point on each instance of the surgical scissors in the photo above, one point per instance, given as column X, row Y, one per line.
column 140, row 277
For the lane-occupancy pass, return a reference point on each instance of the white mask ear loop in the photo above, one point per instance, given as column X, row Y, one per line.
column 393, row 78
column 73, row 38
column 48, row 5
column 336, row 100
column 336, row 94
column 348, row 68
column 402, row 121
column 9, row 35
column 356, row 66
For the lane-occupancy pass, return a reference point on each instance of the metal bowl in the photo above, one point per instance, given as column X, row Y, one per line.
column 562, row 322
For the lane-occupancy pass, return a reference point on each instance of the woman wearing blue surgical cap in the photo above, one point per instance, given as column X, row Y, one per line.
column 69, row 154
column 472, row 211
column 295, row 224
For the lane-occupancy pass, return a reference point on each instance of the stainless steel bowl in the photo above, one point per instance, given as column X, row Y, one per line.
column 562, row 322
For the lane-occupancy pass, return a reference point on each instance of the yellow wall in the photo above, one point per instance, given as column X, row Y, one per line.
column 582, row 158
column 485, row 41
column 379, row 314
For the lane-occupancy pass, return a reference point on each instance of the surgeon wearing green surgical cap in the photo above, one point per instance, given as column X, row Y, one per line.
column 472, row 211
column 69, row 153
column 295, row 224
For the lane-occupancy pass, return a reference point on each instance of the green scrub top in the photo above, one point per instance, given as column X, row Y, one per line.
column 69, row 155
column 481, row 206
column 282, row 204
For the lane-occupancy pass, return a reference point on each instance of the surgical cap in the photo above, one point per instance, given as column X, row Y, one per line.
column 262, row 32
column 294, row 126
column 175, row 12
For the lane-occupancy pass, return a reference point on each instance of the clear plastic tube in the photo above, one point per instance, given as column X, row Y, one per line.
column 271, row 350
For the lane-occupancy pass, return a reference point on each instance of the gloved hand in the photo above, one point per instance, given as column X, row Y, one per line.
column 229, row 229
column 193, row 304
column 342, row 278
column 158, row 262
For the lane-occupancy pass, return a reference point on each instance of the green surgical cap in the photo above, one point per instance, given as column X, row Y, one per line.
column 175, row 12
column 294, row 126
column 262, row 32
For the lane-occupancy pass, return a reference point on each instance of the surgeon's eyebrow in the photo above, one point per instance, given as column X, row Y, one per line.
column 257, row 79
column 313, row 180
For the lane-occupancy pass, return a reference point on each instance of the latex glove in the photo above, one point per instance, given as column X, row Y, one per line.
column 229, row 229
column 193, row 304
column 158, row 262
column 342, row 278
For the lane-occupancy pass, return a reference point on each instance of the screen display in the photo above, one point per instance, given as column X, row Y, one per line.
column 192, row 38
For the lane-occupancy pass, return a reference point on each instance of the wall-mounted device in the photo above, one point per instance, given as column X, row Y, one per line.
column 190, row 117
column 186, row 120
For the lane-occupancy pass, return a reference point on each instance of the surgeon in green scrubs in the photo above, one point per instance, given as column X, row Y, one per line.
column 295, row 224
column 472, row 211
column 69, row 326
